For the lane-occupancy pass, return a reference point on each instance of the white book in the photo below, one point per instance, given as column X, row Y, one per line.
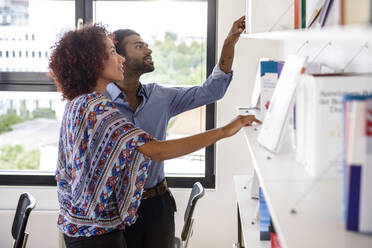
column 334, row 16
column 323, row 134
column 255, row 99
column 248, row 17
column 358, row 168
column 365, row 220
column 268, row 83
column 255, row 186
column 276, row 120
column 301, row 127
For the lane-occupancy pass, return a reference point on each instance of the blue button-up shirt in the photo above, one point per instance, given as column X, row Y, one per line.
column 160, row 103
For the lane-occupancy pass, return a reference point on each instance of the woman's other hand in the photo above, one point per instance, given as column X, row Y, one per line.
column 235, row 125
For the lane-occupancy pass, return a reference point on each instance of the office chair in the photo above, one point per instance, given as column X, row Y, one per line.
column 197, row 192
column 25, row 204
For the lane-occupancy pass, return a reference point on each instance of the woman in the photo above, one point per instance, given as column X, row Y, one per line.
column 103, row 159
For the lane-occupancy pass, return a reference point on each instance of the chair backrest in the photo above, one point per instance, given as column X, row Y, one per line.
column 25, row 204
column 196, row 193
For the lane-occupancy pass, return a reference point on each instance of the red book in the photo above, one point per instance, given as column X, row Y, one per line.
column 297, row 14
column 274, row 239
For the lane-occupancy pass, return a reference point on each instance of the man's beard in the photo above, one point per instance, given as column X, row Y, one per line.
column 138, row 66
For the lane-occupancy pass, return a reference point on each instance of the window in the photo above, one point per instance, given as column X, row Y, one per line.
column 179, row 45
column 180, row 51
column 30, row 107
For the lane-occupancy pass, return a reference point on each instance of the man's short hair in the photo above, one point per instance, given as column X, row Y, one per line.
column 120, row 35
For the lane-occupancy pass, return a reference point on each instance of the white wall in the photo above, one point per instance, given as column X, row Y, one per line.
column 216, row 215
column 42, row 222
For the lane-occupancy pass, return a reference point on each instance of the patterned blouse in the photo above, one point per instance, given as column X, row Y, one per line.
column 100, row 175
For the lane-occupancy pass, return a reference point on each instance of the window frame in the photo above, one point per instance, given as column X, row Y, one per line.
column 39, row 81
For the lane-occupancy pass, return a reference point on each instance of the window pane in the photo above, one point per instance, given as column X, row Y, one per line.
column 186, row 124
column 178, row 41
column 29, row 128
column 28, row 30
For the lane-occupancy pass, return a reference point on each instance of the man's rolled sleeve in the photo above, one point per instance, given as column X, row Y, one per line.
column 217, row 73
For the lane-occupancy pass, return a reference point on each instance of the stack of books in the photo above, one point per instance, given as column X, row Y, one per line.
column 320, row 13
column 319, row 137
column 358, row 162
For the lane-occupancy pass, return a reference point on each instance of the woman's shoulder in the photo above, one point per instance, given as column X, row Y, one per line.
column 93, row 101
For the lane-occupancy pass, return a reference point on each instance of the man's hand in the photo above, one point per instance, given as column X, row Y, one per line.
column 236, row 30
column 227, row 53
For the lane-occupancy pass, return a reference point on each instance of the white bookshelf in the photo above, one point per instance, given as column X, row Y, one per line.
column 247, row 208
column 318, row 221
column 345, row 33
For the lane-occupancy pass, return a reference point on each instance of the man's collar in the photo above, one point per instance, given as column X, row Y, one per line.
column 113, row 91
column 142, row 91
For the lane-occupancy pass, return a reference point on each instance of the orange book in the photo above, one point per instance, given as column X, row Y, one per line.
column 297, row 14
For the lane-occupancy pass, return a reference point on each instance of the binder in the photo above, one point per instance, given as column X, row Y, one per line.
column 277, row 116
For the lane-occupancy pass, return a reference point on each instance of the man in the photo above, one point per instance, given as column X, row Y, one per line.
column 150, row 107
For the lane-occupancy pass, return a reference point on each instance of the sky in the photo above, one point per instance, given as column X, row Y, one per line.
column 187, row 19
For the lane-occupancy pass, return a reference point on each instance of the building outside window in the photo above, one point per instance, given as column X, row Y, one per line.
column 31, row 110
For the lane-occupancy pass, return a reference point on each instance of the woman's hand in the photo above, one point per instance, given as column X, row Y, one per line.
column 235, row 125
column 167, row 149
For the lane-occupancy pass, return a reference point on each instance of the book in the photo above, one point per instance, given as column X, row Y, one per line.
column 264, row 217
column 316, row 9
column 276, row 120
column 366, row 183
column 324, row 12
column 334, row 14
column 313, row 9
column 357, row 170
column 248, row 11
column 255, row 186
column 322, row 140
column 297, row 14
column 274, row 238
column 255, row 99
column 268, row 72
column 355, row 12
column 301, row 121
column 303, row 13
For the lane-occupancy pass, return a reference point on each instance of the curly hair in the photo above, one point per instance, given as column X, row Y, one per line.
column 77, row 60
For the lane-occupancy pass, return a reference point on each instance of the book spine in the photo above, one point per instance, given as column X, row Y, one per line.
column 296, row 14
column 342, row 12
column 365, row 220
column 303, row 13
column 248, row 16
column 264, row 217
column 352, row 222
column 346, row 134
